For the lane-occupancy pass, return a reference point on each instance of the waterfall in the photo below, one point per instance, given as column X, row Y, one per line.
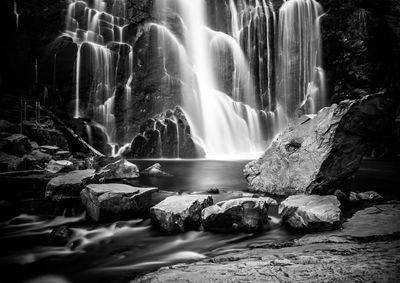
column 301, row 82
column 16, row 15
column 97, row 29
column 241, row 70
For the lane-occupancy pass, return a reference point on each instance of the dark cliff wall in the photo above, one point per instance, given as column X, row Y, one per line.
column 361, row 47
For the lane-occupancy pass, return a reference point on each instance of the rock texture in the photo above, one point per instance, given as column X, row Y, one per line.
column 345, row 256
column 180, row 213
column 364, row 196
column 315, row 155
column 243, row 214
column 58, row 166
column 116, row 201
column 68, row 185
column 120, row 169
column 166, row 135
column 311, row 212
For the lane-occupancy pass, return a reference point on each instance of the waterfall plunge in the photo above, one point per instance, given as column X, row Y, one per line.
column 225, row 123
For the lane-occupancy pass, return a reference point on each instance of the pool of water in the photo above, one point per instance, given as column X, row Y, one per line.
column 118, row 251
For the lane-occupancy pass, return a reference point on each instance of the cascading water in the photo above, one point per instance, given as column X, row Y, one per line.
column 97, row 30
column 301, row 82
column 225, row 119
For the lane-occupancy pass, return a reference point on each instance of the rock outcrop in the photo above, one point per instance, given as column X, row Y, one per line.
column 154, row 170
column 166, row 135
column 68, row 185
column 315, row 213
column 179, row 213
column 116, row 201
column 317, row 154
column 243, row 214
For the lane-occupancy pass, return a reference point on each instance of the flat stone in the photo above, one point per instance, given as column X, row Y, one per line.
column 312, row 212
column 180, row 213
column 243, row 214
column 68, row 185
column 49, row 149
column 116, row 201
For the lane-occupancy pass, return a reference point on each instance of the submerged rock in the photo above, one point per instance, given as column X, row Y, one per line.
column 365, row 196
column 120, row 169
column 311, row 212
column 180, row 213
column 61, row 235
column 154, row 171
column 243, row 214
column 318, row 154
column 68, row 185
column 116, row 201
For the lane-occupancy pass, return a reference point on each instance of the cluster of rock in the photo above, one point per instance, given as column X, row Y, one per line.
column 166, row 135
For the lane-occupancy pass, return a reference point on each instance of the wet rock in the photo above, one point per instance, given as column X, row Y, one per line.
column 154, row 171
column 120, row 169
column 364, row 196
column 160, row 195
column 243, row 214
column 313, row 212
column 60, row 236
column 62, row 154
column 68, row 185
column 116, row 201
column 180, row 213
column 16, row 144
column 213, row 191
column 49, row 149
column 58, row 166
column 318, row 155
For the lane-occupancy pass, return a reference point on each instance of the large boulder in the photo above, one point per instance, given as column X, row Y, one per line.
column 116, row 201
column 311, row 212
column 180, row 213
column 317, row 154
column 243, row 214
column 120, row 169
column 58, row 166
column 68, row 185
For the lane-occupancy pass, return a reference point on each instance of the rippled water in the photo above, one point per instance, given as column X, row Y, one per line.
column 118, row 251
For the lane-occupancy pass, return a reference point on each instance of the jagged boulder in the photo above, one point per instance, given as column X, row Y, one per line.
column 58, row 166
column 68, row 185
column 311, row 212
column 317, row 154
column 154, row 170
column 120, row 169
column 179, row 213
column 166, row 135
column 243, row 214
column 116, row 201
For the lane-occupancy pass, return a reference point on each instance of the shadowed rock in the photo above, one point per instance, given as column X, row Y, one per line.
column 116, row 201
column 243, row 214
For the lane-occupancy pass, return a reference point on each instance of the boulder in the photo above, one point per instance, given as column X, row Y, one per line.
column 243, row 214
column 68, row 185
column 58, row 166
column 311, row 212
column 116, row 201
column 120, row 169
column 364, row 196
column 179, row 213
column 16, row 144
column 319, row 154
column 154, row 171
column 44, row 133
